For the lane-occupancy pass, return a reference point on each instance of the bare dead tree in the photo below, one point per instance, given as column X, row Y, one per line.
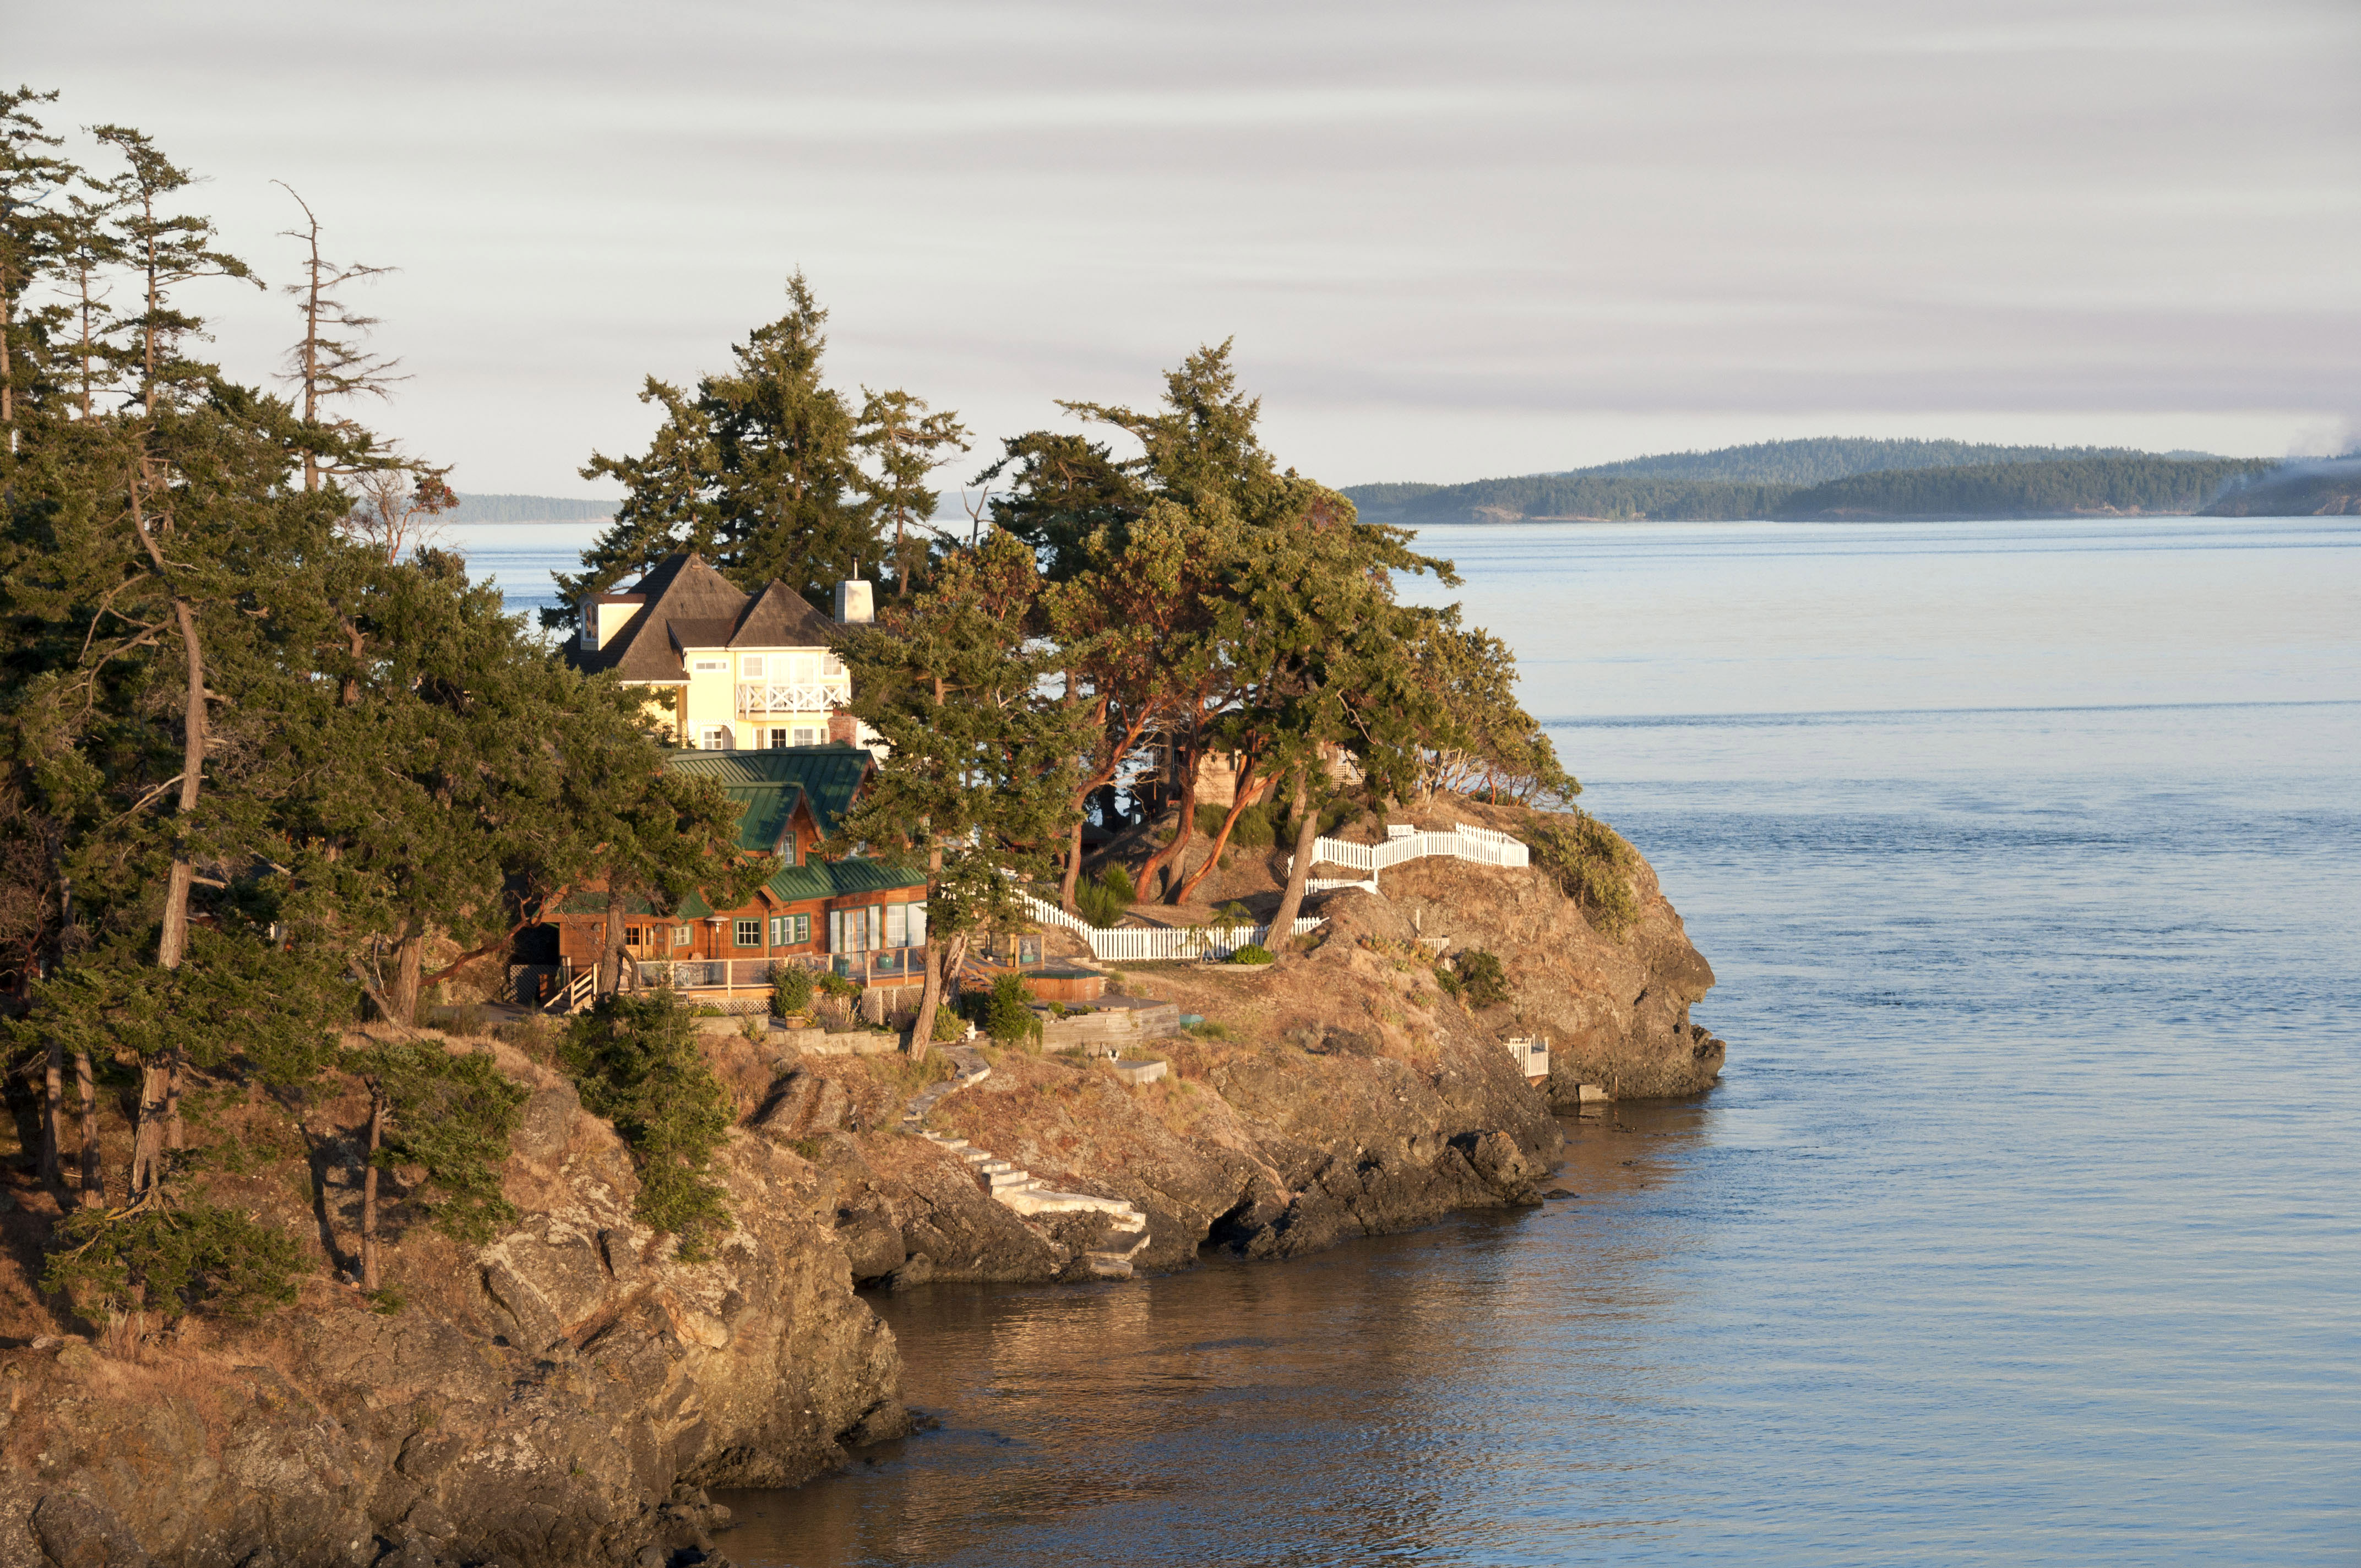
column 398, row 510
column 328, row 362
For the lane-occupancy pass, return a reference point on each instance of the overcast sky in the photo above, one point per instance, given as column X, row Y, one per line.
column 1451, row 240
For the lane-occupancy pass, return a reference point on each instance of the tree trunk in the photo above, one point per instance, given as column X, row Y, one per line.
column 610, row 960
column 173, row 944
column 930, row 996
column 408, row 960
column 173, row 1065
column 1238, row 799
column 53, row 1094
column 1299, row 870
column 1174, row 855
column 1073, row 869
column 148, row 1134
column 369, row 1187
column 94, row 1179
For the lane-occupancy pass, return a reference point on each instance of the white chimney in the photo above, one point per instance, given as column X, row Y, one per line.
column 853, row 604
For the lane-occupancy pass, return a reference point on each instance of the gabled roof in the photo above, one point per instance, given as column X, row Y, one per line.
column 686, row 604
column 776, row 618
column 767, row 785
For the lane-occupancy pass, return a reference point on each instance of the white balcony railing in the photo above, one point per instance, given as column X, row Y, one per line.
column 792, row 697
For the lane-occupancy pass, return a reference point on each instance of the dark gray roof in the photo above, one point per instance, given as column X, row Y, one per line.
column 687, row 604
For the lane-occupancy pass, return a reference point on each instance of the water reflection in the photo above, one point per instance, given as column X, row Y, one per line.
column 1403, row 1399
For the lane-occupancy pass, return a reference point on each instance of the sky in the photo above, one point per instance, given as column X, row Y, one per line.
column 1449, row 241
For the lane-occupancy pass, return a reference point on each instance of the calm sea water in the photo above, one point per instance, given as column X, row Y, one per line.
column 2023, row 1227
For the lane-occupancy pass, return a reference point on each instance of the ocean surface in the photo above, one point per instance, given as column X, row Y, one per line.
column 2022, row 1228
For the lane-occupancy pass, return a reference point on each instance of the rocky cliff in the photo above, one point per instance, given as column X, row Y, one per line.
column 559, row 1397
column 562, row 1396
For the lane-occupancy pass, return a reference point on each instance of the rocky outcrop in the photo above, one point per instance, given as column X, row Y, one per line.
column 563, row 1395
column 1346, row 1092
column 558, row 1398
column 1616, row 1011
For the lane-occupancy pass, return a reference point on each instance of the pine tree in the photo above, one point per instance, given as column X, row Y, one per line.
column 328, row 363
column 760, row 472
column 978, row 780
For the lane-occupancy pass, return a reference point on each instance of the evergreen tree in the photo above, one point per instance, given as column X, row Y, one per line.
column 978, row 779
column 906, row 444
column 760, row 472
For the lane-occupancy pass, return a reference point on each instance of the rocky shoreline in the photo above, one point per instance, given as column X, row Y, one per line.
column 565, row 1395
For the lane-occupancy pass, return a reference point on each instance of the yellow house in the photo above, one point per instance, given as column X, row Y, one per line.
column 729, row 670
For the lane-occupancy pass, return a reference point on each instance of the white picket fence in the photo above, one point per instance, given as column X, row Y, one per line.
column 1151, row 944
column 1481, row 845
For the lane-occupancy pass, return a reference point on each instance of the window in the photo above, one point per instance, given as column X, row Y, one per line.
column 750, row 666
column 790, row 930
column 804, row 737
column 702, row 666
column 779, row 740
column 632, row 936
column 749, row 933
column 856, row 930
column 906, row 925
column 720, row 737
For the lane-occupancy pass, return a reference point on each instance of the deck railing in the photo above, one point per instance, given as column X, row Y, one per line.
column 792, row 697
column 891, row 965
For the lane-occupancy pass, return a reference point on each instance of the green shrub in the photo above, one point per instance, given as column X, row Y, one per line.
column 172, row 1261
column 1206, row 1029
column 1593, row 865
column 1007, row 1016
column 453, row 1115
column 1253, row 953
column 1103, row 901
column 791, row 990
column 1448, row 980
column 635, row 1062
column 1234, row 914
column 843, row 987
column 466, row 1019
column 1486, row 981
column 949, row 1024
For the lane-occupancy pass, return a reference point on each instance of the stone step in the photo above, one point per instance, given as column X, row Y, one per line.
column 999, row 1180
column 977, row 1156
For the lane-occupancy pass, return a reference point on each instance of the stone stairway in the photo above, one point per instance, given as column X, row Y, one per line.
column 1017, row 1189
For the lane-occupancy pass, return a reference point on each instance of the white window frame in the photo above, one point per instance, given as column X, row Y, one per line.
column 681, row 935
column 806, row 735
column 790, row 930
column 717, row 738
column 745, row 933
column 750, row 665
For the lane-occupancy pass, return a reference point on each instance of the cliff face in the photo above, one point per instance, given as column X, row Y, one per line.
column 556, row 1398
column 561, row 1396
column 1347, row 1094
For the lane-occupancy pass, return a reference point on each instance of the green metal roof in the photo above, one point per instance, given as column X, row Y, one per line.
column 839, row 879
column 766, row 784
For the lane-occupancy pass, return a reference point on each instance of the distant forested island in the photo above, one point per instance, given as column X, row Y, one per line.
column 527, row 509
column 1833, row 478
